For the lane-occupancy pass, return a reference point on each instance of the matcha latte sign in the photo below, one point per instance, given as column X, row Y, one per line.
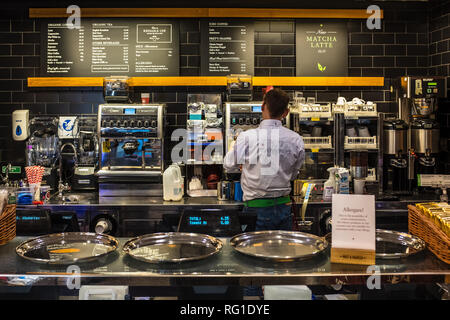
column 321, row 48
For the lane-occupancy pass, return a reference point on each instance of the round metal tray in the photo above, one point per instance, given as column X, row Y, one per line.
column 279, row 245
column 394, row 245
column 172, row 247
column 67, row 248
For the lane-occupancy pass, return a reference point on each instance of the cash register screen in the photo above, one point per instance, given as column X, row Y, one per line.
column 256, row 109
column 211, row 221
column 129, row 111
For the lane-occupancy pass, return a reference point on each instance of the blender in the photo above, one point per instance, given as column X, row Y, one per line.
column 42, row 148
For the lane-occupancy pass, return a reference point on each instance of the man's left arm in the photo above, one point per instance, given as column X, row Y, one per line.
column 300, row 159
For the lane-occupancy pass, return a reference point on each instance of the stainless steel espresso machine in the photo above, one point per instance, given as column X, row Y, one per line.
column 131, row 142
column 241, row 116
column 418, row 99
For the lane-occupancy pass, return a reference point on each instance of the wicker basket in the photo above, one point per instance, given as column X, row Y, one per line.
column 8, row 224
column 437, row 241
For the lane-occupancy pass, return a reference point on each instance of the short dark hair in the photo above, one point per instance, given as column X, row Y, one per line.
column 277, row 101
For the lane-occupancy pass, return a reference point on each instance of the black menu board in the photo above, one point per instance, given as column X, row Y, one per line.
column 321, row 48
column 110, row 47
column 227, row 47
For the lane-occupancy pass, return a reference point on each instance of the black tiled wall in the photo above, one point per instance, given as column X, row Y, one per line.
column 404, row 46
column 440, row 65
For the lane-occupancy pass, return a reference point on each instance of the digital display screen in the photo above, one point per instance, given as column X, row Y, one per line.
column 256, row 109
column 197, row 221
column 432, row 83
column 225, row 220
column 129, row 111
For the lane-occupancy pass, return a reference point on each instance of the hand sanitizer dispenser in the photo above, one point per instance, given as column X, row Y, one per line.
column 20, row 122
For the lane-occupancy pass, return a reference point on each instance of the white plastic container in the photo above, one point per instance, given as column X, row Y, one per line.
column 20, row 123
column 329, row 186
column 173, row 183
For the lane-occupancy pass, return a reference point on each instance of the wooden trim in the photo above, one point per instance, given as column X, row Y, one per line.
column 210, row 81
column 66, row 82
column 319, row 81
column 289, row 13
column 178, row 81
column 203, row 13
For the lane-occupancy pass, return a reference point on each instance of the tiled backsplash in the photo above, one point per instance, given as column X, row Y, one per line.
column 411, row 41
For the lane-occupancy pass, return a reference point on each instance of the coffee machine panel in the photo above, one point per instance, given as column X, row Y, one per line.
column 418, row 96
column 131, row 143
column 241, row 116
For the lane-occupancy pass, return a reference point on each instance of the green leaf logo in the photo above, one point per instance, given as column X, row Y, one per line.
column 322, row 69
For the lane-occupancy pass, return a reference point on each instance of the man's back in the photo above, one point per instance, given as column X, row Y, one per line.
column 271, row 156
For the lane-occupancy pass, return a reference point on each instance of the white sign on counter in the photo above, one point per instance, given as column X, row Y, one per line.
column 353, row 236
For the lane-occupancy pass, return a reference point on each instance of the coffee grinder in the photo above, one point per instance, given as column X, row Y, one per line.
column 418, row 99
column 84, row 177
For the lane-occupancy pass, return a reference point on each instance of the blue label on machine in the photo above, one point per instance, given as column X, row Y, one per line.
column 195, row 116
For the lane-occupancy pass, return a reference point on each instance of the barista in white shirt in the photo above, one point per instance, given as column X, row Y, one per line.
column 271, row 156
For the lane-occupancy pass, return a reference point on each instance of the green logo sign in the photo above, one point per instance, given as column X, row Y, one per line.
column 321, row 68
column 13, row 169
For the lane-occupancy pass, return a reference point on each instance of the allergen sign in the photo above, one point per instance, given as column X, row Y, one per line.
column 353, row 236
column 321, row 48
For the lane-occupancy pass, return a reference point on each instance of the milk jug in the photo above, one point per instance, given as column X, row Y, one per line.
column 173, row 183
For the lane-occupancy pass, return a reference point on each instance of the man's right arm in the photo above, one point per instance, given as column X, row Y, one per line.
column 235, row 156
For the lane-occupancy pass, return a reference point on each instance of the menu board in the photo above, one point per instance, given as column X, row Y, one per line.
column 110, row 47
column 321, row 48
column 227, row 47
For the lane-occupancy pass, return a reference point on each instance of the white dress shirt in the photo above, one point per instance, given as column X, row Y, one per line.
column 271, row 156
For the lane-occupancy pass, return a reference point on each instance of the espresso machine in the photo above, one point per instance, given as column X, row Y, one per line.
column 418, row 99
column 42, row 148
column 131, row 149
column 241, row 116
column 86, row 143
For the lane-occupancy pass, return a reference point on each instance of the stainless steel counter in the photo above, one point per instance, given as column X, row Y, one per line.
column 92, row 200
column 226, row 268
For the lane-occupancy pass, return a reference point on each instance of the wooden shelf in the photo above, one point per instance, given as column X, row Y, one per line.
column 319, row 81
column 210, row 81
column 66, row 82
column 204, row 13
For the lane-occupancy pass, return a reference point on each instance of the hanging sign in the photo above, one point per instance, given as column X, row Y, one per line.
column 321, row 48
